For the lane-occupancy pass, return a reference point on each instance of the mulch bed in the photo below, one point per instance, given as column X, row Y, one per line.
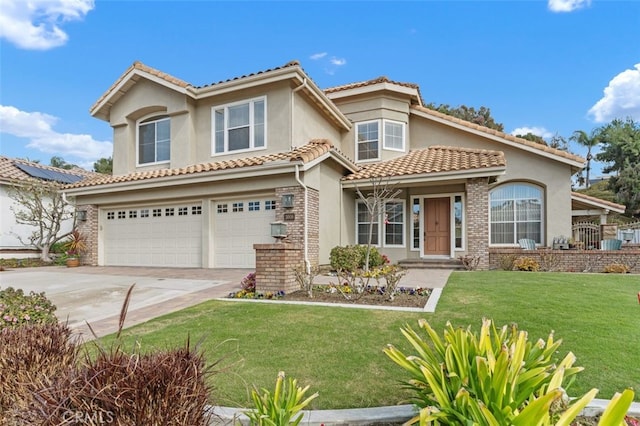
column 400, row 300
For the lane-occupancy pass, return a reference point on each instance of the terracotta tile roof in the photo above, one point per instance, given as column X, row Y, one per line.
column 590, row 199
column 9, row 171
column 287, row 65
column 305, row 154
column 435, row 159
column 511, row 138
column 381, row 79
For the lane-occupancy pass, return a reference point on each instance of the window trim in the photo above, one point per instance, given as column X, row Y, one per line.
column 148, row 119
column 251, row 102
column 384, row 136
column 357, row 142
column 382, row 225
column 543, row 213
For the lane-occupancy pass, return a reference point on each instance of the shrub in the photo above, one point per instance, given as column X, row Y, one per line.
column 248, row 283
column 279, row 408
column 352, row 258
column 17, row 309
column 470, row 262
column 31, row 356
column 507, row 261
column 616, row 268
column 496, row 378
column 526, row 264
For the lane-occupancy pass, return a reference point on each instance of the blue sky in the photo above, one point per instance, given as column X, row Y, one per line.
column 545, row 67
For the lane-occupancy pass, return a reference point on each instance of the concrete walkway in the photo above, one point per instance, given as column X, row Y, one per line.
column 95, row 294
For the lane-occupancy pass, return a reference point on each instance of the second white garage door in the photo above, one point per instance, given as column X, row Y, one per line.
column 238, row 225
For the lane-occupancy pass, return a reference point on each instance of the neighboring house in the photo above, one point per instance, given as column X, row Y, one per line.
column 14, row 172
column 199, row 173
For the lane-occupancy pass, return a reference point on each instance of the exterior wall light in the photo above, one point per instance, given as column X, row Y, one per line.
column 287, row 201
column 279, row 230
column 82, row 215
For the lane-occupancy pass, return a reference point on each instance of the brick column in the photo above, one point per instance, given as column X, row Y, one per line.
column 275, row 265
column 89, row 229
column 294, row 218
column 478, row 220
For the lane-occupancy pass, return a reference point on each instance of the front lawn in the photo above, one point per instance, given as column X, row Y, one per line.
column 338, row 351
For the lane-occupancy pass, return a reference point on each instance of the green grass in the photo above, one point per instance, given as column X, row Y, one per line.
column 338, row 351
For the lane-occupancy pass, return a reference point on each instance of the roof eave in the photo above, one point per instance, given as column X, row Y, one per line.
column 336, row 156
column 429, row 177
column 389, row 86
column 617, row 208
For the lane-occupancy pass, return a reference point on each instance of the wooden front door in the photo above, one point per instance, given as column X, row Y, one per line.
column 437, row 226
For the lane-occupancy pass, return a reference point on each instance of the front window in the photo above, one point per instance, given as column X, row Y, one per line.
column 154, row 140
column 458, row 217
column 367, row 141
column 516, row 212
column 393, row 135
column 389, row 224
column 239, row 126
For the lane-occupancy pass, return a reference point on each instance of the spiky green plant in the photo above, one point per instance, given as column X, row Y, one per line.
column 279, row 408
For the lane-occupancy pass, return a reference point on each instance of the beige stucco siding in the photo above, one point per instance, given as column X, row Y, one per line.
column 522, row 166
column 310, row 123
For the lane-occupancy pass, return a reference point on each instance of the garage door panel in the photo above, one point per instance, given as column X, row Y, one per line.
column 154, row 236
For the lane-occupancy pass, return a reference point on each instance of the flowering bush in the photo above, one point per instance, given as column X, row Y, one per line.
column 243, row 294
column 17, row 309
column 248, row 283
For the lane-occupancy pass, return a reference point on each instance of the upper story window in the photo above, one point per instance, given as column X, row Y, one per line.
column 154, row 140
column 369, row 138
column 239, row 126
column 516, row 212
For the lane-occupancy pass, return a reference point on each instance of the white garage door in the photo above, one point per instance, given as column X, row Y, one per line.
column 238, row 225
column 168, row 235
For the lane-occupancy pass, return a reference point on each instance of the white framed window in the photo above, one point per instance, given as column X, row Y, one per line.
column 368, row 141
column 239, row 126
column 154, row 140
column 393, row 135
column 415, row 224
column 516, row 211
column 390, row 224
column 458, row 222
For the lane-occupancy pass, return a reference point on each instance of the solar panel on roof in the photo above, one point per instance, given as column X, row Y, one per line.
column 46, row 174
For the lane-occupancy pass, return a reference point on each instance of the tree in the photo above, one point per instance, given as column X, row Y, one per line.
column 40, row 205
column 481, row 116
column 60, row 163
column 621, row 154
column 588, row 141
column 533, row 138
column 375, row 201
column 104, row 165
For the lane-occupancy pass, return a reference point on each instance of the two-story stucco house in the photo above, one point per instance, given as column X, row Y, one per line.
column 200, row 173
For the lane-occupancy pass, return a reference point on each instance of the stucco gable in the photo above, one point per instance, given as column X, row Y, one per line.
column 556, row 154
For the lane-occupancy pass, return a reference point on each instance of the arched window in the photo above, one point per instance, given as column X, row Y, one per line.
column 516, row 212
column 154, row 140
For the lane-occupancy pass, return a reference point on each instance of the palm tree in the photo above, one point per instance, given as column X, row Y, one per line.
column 588, row 141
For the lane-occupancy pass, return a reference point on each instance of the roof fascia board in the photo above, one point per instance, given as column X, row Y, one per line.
column 338, row 158
column 326, row 102
column 362, row 90
column 549, row 155
column 126, row 80
column 273, row 168
column 431, row 177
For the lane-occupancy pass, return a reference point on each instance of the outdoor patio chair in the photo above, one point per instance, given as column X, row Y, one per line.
column 527, row 244
column 611, row 244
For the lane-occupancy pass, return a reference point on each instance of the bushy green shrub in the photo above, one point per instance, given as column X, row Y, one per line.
column 352, row 258
column 17, row 309
column 526, row 264
column 280, row 407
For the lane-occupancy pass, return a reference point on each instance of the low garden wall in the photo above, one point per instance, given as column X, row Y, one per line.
column 570, row 260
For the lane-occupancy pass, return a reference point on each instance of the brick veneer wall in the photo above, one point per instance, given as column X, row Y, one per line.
column 89, row 228
column 572, row 260
column 478, row 220
column 295, row 228
column 275, row 265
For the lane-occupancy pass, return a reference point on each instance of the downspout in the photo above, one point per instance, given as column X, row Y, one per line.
column 307, row 263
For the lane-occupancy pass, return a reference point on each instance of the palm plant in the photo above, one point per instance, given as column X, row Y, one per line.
column 588, row 141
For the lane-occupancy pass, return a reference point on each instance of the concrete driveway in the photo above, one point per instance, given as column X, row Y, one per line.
column 96, row 294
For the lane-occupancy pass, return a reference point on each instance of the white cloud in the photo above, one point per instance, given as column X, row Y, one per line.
column 621, row 98
column 38, row 128
column 567, row 5
column 538, row 131
column 338, row 61
column 317, row 56
column 36, row 24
